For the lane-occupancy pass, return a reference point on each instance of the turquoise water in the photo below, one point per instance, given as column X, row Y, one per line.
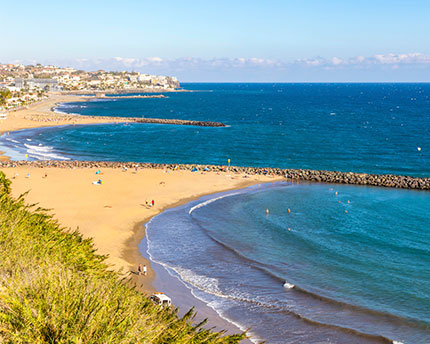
column 351, row 267
column 348, row 264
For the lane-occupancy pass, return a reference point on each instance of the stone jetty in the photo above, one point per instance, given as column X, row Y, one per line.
column 104, row 96
column 294, row 175
column 177, row 122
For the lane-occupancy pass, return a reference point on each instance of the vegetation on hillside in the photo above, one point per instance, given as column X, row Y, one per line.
column 55, row 289
column 4, row 94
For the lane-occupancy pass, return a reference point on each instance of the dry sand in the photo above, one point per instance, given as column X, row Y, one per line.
column 113, row 213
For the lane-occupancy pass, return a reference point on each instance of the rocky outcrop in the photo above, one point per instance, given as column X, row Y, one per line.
column 382, row 180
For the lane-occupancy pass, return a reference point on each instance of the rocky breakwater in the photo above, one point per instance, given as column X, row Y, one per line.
column 177, row 122
column 294, row 175
column 384, row 180
column 106, row 96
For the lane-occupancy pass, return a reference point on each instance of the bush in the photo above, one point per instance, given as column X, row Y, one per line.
column 55, row 289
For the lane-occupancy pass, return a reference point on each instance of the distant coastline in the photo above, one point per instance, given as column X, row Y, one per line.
column 43, row 113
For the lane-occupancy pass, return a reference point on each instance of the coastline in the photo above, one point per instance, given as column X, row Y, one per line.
column 41, row 114
column 130, row 252
column 113, row 213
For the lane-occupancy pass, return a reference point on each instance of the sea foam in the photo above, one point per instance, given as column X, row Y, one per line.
column 200, row 205
column 41, row 152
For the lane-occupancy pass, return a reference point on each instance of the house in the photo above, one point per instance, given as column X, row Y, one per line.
column 50, row 84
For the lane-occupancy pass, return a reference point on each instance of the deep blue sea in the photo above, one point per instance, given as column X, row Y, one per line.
column 347, row 264
column 374, row 128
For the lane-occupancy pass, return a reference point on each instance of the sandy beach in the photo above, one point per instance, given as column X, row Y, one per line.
column 113, row 213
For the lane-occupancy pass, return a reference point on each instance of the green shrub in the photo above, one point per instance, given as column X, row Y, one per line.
column 55, row 289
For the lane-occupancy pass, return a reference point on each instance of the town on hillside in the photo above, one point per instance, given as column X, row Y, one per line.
column 22, row 85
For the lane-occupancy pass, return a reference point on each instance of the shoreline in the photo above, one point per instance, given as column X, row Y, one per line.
column 82, row 205
column 131, row 251
column 88, row 207
column 41, row 114
column 203, row 310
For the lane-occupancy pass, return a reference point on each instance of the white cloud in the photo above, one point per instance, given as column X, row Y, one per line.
column 121, row 63
column 377, row 67
column 336, row 61
column 360, row 61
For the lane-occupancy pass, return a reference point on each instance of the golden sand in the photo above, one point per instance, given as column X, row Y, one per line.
column 113, row 213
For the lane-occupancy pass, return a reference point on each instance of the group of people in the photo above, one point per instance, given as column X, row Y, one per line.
column 142, row 270
column 151, row 205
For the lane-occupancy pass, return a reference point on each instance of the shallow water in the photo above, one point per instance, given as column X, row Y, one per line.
column 314, row 275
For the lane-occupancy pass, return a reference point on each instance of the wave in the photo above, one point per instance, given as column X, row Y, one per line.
column 268, row 270
column 205, row 203
column 98, row 100
column 304, row 292
column 210, row 285
column 57, row 110
column 68, row 105
column 12, row 140
column 41, row 152
column 288, row 285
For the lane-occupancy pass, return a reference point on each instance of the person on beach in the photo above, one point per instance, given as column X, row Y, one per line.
column 139, row 270
column 153, row 202
column 144, row 270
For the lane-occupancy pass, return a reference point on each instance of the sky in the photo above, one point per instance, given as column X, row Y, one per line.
column 218, row 40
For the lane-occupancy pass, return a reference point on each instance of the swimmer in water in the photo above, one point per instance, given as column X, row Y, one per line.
column 267, row 212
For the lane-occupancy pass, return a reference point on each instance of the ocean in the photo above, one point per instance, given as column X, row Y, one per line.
column 329, row 264
column 374, row 128
column 346, row 264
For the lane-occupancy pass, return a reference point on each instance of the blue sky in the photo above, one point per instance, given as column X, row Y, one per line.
column 219, row 40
